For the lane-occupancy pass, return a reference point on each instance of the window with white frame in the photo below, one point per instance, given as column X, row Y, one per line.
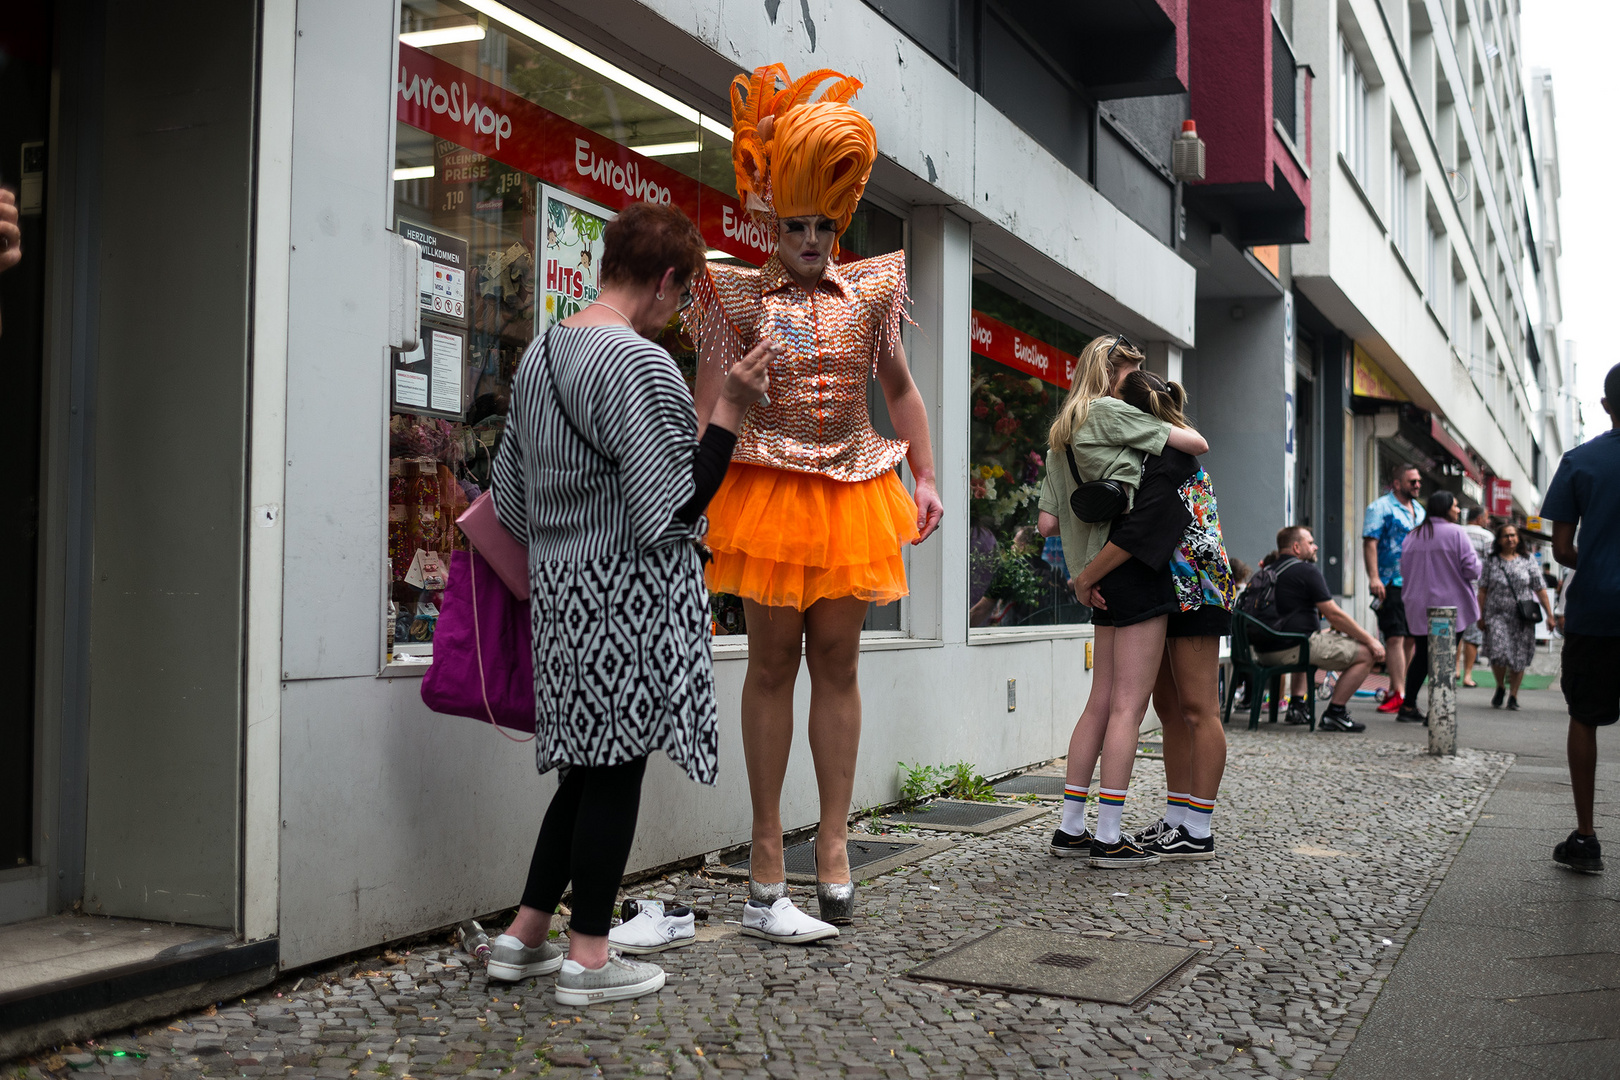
column 1459, row 314
column 1434, row 268
column 1353, row 112
column 1400, row 203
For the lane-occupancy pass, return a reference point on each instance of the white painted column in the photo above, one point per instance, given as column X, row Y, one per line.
column 942, row 292
column 1164, row 360
column 261, row 840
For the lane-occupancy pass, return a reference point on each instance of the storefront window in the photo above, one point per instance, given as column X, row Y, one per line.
column 1023, row 358
column 514, row 148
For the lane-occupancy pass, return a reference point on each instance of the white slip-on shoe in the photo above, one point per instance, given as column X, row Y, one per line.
column 617, row 980
column 654, row 928
column 784, row 923
column 510, row 960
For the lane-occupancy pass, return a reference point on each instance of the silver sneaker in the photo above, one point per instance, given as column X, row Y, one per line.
column 617, row 980
column 510, row 960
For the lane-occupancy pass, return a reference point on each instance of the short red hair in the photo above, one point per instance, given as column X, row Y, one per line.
column 647, row 239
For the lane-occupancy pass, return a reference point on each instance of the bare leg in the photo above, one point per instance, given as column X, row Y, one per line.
column 1396, row 657
column 1085, row 743
column 1137, row 650
column 1195, row 662
column 1500, row 673
column 1583, row 773
column 1470, row 656
column 1178, row 746
column 832, row 652
column 774, row 642
column 1515, row 680
column 1352, row 677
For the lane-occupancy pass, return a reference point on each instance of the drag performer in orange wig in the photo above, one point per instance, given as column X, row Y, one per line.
column 809, row 523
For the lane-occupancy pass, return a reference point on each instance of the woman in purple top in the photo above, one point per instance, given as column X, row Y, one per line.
column 1440, row 566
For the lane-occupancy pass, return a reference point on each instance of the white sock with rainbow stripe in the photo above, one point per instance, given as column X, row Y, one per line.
column 1074, row 810
column 1175, row 807
column 1198, row 815
column 1110, row 808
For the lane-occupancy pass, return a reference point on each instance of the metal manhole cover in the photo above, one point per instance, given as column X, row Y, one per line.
column 950, row 815
column 1066, row 960
column 1031, row 785
column 872, row 857
column 1045, row 962
column 955, row 813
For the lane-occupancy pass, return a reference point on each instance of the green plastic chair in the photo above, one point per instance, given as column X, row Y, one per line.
column 1245, row 663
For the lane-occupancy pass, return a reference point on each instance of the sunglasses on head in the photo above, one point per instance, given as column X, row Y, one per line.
column 1119, row 339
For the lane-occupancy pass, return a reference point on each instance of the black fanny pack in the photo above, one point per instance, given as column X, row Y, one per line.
column 1095, row 500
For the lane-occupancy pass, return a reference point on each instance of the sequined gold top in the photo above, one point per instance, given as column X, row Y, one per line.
column 817, row 420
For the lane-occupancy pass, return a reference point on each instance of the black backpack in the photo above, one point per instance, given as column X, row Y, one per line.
column 1259, row 600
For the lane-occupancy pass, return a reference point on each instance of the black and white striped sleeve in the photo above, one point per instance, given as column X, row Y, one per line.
column 649, row 429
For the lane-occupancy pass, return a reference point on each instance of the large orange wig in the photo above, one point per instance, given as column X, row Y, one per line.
column 794, row 156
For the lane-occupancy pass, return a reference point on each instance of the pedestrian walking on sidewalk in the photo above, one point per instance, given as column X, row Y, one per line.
column 1440, row 567
column 1099, row 438
column 1383, row 530
column 1585, row 495
column 1509, row 592
column 602, row 475
column 1469, row 641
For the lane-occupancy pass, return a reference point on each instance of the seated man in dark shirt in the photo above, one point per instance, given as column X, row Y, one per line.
column 1303, row 601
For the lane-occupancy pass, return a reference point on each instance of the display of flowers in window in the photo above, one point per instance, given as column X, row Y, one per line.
column 1021, row 363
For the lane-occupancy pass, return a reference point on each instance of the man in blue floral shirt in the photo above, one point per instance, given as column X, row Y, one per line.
column 1389, row 518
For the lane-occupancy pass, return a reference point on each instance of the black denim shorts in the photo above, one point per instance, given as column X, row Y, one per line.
column 1392, row 614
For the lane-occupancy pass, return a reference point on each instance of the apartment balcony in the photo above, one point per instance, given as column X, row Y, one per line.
column 1251, row 100
column 1114, row 49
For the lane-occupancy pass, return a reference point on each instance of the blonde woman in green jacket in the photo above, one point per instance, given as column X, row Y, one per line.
column 1108, row 438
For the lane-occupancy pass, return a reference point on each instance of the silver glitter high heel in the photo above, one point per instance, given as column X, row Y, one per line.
column 835, row 901
column 766, row 892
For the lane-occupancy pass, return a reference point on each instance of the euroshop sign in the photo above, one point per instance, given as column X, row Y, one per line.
column 995, row 340
column 453, row 104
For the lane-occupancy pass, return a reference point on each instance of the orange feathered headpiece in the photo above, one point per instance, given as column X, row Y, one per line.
column 795, row 156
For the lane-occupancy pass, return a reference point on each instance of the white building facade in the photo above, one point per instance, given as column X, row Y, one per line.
column 1432, row 266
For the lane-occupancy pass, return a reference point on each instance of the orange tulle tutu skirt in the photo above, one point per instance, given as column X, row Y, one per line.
column 788, row 539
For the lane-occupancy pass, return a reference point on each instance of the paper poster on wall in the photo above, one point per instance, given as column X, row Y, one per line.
column 431, row 379
column 570, row 246
column 447, row 368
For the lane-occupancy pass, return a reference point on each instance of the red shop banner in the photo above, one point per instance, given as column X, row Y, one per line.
column 1499, row 496
column 995, row 340
column 450, row 103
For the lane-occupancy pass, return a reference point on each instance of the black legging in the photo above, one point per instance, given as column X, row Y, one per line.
column 1417, row 671
column 585, row 838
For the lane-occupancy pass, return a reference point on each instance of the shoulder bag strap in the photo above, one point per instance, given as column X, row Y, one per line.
column 1074, row 469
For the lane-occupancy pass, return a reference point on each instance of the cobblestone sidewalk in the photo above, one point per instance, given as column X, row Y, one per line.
column 1329, row 846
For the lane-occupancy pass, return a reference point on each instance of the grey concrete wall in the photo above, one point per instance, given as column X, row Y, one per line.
column 1235, row 382
column 165, row 633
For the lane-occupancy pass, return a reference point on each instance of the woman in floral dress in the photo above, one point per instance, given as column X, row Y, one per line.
column 1510, row 641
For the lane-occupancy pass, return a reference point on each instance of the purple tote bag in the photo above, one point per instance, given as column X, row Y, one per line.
column 483, row 655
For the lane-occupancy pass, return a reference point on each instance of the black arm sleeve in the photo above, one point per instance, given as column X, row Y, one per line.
column 708, row 469
column 1152, row 530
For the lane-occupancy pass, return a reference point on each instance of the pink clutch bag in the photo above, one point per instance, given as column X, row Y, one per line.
column 505, row 554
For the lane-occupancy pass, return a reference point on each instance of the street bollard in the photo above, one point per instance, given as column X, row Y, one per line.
column 1443, row 680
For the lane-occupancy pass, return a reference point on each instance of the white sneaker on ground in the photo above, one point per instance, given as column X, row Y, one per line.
column 510, row 960
column 782, row 922
column 654, row 929
column 617, row 980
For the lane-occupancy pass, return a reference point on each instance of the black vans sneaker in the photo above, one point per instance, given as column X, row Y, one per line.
column 1582, row 854
column 1297, row 714
column 1153, row 832
column 1337, row 718
column 1123, row 852
column 1178, row 845
column 1068, row 846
